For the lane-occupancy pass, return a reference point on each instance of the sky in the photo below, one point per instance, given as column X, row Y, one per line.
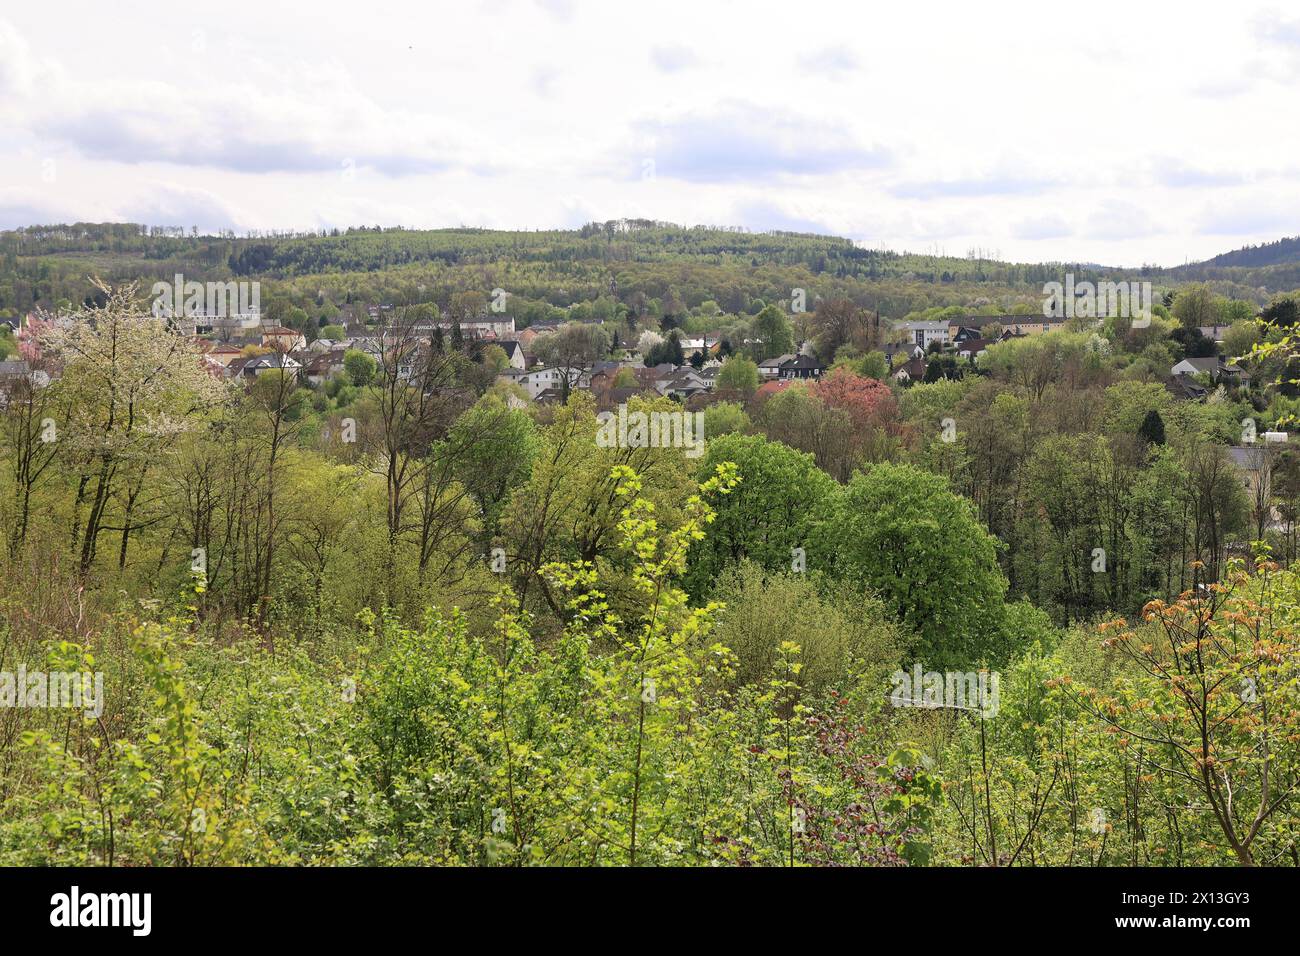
column 1120, row 133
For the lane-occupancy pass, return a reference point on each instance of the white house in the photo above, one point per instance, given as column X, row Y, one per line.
column 924, row 333
column 973, row 348
column 514, row 354
column 479, row 328
column 537, row 380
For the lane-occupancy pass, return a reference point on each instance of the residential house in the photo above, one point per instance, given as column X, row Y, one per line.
column 535, row 381
column 513, row 376
column 664, row 370
column 1254, row 464
column 972, row 348
column 1013, row 324
column 707, row 345
column 771, row 368
column 11, row 369
column 14, row 374
column 485, row 327
column 603, row 377
column 282, row 339
column 1185, row 389
column 550, row 396
column 1214, row 366
column 768, row 389
column 897, row 353
column 602, row 380
column 926, row 332
column 526, row 337
column 372, row 345
column 684, row 383
column 256, row 365
column 911, row 371
column 223, row 353
column 514, row 353
column 222, row 326
column 610, row 399
column 800, row 367
column 647, row 377
column 321, row 368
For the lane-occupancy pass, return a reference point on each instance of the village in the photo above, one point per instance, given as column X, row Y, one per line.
column 240, row 346
column 243, row 346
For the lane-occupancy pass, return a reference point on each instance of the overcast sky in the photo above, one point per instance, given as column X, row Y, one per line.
column 1121, row 133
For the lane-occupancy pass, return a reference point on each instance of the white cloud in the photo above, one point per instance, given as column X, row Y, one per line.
column 169, row 202
column 1119, row 219
column 1271, row 27
column 919, row 127
column 748, row 143
column 1050, row 226
column 832, row 61
column 673, row 57
column 1252, row 216
column 24, row 207
column 293, row 117
column 761, row 216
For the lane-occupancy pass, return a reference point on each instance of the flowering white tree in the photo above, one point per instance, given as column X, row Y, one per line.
column 130, row 386
column 648, row 340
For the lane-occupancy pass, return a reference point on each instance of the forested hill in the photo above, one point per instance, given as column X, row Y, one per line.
column 368, row 249
column 1274, row 266
column 629, row 261
column 362, row 250
column 620, row 260
column 1267, row 254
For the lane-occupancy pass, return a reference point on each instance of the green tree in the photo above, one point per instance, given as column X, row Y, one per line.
column 360, row 367
column 1196, row 306
column 770, row 518
column 903, row 532
column 667, row 351
column 847, row 639
column 873, row 365
column 571, row 348
column 495, row 448
column 723, row 418
column 1153, row 428
column 738, row 375
column 772, row 329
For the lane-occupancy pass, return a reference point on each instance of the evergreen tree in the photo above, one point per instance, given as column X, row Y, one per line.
column 1152, row 431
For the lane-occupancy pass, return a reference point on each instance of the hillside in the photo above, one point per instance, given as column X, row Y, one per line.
column 48, row 265
column 549, row 273
column 1281, row 252
column 1246, row 272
